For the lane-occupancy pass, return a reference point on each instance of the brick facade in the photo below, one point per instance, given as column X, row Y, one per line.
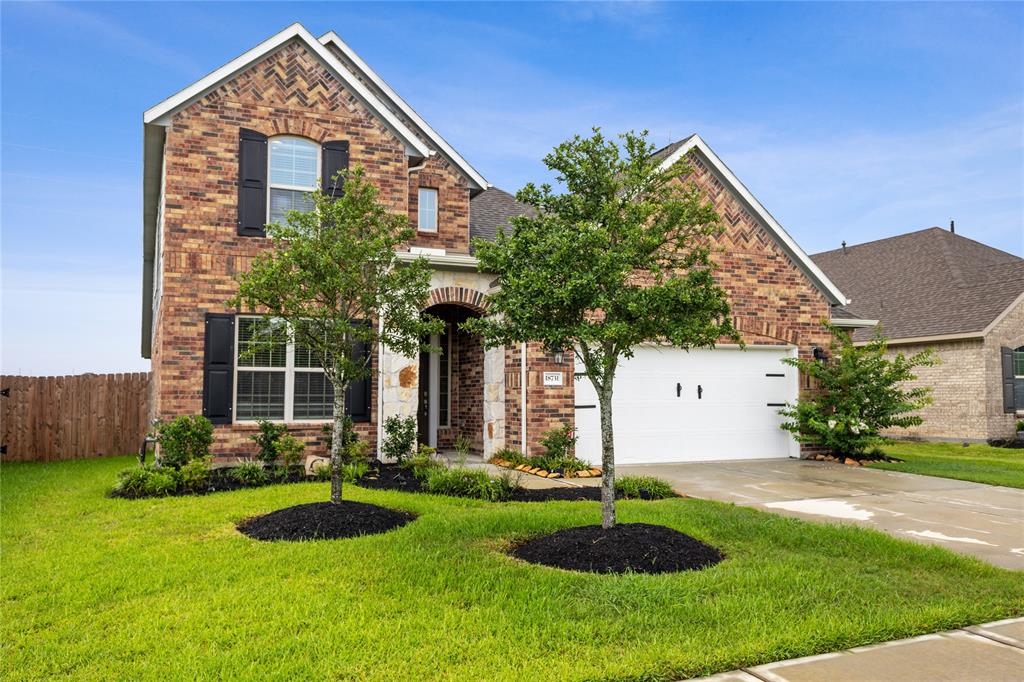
column 292, row 92
column 289, row 92
column 958, row 390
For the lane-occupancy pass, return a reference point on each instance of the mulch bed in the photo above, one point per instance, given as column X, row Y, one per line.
column 221, row 480
column 390, row 477
column 633, row 547
column 324, row 521
column 567, row 494
column 863, row 460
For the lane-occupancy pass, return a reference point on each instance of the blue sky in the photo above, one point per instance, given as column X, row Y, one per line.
column 847, row 121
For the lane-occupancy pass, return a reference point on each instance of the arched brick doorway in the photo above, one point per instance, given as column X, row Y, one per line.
column 451, row 383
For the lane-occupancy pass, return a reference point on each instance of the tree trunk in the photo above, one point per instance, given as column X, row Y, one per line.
column 607, row 456
column 338, row 436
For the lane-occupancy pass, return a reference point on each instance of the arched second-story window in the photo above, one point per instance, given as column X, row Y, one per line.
column 294, row 168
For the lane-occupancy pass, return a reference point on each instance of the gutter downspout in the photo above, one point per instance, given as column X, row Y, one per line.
column 522, row 388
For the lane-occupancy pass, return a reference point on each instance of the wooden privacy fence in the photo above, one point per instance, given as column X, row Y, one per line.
column 72, row 417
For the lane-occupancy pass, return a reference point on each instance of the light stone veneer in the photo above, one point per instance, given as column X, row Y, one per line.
column 400, row 400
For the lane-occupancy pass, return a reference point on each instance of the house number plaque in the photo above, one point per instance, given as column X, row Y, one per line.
column 552, row 378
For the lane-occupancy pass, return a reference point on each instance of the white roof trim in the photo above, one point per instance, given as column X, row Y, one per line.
column 450, row 261
column 447, row 149
column 161, row 113
column 855, row 323
column 803, row 260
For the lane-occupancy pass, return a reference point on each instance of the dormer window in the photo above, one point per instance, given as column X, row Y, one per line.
column 294, row 169
column 427, row 219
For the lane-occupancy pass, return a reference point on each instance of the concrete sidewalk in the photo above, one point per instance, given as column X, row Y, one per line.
column 993, row 652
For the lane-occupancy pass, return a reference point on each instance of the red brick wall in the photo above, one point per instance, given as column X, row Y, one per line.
column 288, row 92
column 549, row 407
column 452, row 206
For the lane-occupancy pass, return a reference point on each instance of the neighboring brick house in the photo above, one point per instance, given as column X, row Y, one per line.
column 232, row 151
column 937, row 289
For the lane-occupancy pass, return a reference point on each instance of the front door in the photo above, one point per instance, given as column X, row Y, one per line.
column 423, row 411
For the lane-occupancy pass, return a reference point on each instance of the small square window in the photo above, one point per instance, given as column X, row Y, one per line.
column 427, row 221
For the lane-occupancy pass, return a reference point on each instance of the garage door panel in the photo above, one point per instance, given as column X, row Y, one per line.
column 661, row 416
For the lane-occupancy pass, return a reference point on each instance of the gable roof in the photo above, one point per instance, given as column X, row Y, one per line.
column 388, row 94
column 162, row 112
column 927, row 283
column 156, row 119
column 677, row 150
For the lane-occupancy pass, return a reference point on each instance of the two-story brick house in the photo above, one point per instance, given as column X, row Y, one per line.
column 236, row 149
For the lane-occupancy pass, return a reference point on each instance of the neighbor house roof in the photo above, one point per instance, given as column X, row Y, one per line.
column 929, row 283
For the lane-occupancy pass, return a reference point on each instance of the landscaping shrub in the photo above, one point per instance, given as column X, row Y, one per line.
column 353, row 471
column 194, row 475
column 642, row 488
column 862, row 392
column 558, row 456
column 161, row 482
column 510, row 455
column 289, row 449
column 559, row 443
column 250, row 473
column 182, row 439
column 399, row 438
column 423, row 463
column 463, row 446
column 132, row 482
column 267, row 440
column 465, row 482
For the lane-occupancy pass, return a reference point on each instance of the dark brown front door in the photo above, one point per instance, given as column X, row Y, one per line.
column 423, row 411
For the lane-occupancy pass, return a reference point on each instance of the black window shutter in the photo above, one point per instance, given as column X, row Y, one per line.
column 1009, row 400
column 357, row 399
column 335, row 158
column 252, row 183
column 218, row 367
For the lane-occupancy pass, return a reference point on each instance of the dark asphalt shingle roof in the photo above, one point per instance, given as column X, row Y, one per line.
column 926, row 283
column 490, row 211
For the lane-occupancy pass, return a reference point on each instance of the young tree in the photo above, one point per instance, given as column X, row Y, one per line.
column 620, row 258
column 332, row 276
column 861, row 393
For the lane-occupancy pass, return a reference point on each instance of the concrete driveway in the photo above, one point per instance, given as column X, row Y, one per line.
column 971, row 518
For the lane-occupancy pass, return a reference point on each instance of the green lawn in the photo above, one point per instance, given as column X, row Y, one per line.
column 168, row 589
column 978, row 463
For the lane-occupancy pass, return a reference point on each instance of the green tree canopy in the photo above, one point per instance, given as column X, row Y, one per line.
column 860, row 392
column 333, row 276
column 619, row 257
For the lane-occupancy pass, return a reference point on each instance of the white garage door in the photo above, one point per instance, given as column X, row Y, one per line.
column 674, row 406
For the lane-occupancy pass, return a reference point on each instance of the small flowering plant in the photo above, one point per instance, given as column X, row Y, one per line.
column 862, row 392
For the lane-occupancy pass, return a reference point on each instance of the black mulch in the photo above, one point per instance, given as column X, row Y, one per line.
column 636, row 547
column 324, row 521
column 390, row 477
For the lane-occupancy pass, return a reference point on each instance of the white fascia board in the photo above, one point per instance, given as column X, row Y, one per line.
column 162, row 112
column 452, row 261
column 447, row 149
column 854, row 323
column 815, row 273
